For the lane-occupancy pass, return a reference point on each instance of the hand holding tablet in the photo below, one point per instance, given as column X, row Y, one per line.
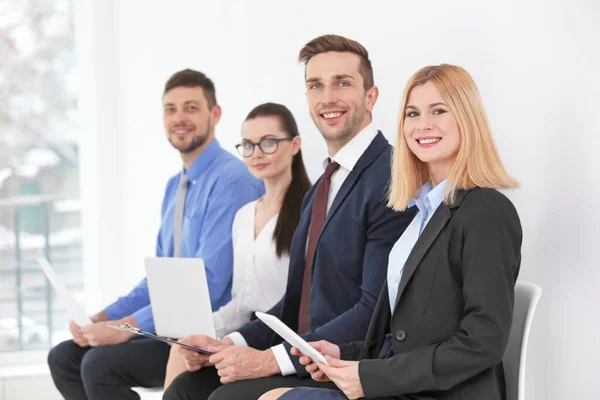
column 291, row 337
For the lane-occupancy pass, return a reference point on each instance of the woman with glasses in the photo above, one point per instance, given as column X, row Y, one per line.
column 263, row 229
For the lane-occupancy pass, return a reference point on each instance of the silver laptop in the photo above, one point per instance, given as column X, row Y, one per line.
column 179, row 296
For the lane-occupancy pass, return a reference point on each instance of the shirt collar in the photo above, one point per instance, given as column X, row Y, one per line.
column 200, row 164
column 348, row 155
column 429, row 199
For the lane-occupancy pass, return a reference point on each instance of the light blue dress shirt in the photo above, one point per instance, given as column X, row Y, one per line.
column 220, row 184
column 427, row 202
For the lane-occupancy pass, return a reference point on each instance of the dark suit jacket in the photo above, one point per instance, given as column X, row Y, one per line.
column 350, row 261
column 454, row 307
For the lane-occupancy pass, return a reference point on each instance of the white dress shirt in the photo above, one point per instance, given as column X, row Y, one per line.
column 259, row 277
column 347, row 157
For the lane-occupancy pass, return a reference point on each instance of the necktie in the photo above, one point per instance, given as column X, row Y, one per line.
column 178, row 217
column 317, row 220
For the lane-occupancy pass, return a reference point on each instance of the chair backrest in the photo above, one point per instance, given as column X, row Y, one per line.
column 527, row 296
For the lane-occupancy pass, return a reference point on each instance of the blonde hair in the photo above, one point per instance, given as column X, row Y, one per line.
column 477, row 163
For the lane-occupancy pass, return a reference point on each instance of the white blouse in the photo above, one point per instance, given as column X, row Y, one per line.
column 259, row 277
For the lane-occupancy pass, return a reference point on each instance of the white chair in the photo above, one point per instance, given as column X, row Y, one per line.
column 149, row 393
column 527, row 296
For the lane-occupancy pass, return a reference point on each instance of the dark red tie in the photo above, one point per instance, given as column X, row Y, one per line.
column 317, row 220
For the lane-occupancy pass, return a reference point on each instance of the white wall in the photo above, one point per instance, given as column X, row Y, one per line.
column 535, row 62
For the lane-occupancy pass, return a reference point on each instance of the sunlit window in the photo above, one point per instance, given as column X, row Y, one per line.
column 39, row 183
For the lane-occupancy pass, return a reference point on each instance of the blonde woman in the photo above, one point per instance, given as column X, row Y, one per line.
column 442, row 322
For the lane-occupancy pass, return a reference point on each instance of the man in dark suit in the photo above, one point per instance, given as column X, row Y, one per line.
column 339, row 253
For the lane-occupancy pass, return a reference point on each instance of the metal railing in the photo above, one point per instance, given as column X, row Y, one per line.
column 18, row 261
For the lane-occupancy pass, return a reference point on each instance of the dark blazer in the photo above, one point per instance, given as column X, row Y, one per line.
column 454, row 307
column 350, row 261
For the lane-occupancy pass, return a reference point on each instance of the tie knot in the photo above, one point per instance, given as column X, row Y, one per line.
column 332, row 166
column 183, row 181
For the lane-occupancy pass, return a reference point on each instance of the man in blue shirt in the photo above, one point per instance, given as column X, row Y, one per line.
column 197, row 214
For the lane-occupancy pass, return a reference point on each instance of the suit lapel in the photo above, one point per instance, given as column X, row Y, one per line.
column 375, row 148
column 439, row 219
column 344, row 191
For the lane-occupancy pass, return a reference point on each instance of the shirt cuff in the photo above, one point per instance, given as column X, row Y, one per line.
column 237, row 338
column 114, row 311
column 144, row 319
column 283, row 360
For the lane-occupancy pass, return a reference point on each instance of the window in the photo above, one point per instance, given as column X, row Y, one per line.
column 39, row 183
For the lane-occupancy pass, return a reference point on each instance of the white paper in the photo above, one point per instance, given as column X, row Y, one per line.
column 74, row 308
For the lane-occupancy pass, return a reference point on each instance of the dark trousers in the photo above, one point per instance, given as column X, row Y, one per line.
column 205, row 384
column 108, row 372
column 335, row 394
column 327, row 394
column 314, row 394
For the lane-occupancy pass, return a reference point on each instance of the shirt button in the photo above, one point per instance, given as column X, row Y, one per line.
column 400, row 335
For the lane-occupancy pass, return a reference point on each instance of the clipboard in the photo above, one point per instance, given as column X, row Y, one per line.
column 136, row 331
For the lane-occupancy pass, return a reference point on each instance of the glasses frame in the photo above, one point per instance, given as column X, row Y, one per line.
column 240, row 146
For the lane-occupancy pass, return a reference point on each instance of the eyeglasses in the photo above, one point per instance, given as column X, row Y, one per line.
column 267, row 146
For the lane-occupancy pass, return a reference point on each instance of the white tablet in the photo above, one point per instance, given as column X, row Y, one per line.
column 291, row 337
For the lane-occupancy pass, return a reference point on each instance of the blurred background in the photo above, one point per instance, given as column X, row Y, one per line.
column 40, row 208
column 84, row 159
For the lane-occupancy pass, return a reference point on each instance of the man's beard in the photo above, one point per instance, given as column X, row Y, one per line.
column 197, row 141
column 349, row 129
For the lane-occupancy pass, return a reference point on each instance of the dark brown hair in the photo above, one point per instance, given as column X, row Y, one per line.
column 327, row 43
column 289, row 214
column 191, row 78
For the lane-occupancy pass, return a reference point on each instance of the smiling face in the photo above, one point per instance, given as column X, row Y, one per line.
column 188, row 121
column 430, row 129
column 339, row 105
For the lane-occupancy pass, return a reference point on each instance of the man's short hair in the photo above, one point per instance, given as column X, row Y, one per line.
column 191, row 78
column 327, row 43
